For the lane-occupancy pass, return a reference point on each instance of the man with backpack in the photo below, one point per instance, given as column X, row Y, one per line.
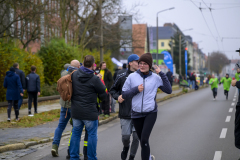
column 125, row 107
column 86, row 87
column 65, row 113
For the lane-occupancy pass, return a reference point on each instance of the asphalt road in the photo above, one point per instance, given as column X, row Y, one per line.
column 189, row 127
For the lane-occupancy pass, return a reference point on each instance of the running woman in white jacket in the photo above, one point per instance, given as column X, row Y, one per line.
column 142, row 87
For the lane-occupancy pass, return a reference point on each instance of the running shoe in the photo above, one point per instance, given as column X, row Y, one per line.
column 9, row 119
column 152, row 157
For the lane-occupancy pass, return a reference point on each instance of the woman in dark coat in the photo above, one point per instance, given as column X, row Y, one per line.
column 13, row 85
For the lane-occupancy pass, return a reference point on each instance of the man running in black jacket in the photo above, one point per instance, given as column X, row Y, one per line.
column 125, row 107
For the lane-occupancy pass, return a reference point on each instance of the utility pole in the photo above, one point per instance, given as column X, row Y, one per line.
column 157, row 43
column 101, row 31
column 180, row 58
column 209, row 63
column 157, row 31
column 172, row 50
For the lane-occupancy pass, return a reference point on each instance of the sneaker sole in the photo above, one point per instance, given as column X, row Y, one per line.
column 54, row 153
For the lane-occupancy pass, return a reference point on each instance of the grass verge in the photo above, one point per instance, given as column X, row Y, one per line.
column 37, row 119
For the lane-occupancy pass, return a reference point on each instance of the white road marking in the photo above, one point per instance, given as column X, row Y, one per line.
column 233, row 104
column 234, row 99
column 230, row 109
column 218, row 155
column 223, row 133
column 228, row 119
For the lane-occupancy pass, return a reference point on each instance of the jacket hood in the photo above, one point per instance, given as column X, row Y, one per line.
column 84, row 74
column 10, row 73
column 71, row 69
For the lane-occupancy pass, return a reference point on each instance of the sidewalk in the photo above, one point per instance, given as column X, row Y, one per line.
column 16, row 135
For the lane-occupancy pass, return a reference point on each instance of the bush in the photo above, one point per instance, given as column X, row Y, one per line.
column 10, row 54
column 54, row 55
column 96, row 54
column 48, row 90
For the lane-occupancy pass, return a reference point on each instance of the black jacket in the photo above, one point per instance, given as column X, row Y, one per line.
column 126, row 106
column 86, row 88
column 169, row 76
column 108, row 79
column 21, row 76
column 33, row 82
column 237, row 121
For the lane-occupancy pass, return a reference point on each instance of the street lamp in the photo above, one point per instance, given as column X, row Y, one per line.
column 180, row 59
column 157, row 30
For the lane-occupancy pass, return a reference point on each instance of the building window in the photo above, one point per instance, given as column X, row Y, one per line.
column 154, row 44
column 162, row 44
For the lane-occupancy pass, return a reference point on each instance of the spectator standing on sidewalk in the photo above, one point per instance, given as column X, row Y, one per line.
column 66, row 67
column 33, row 89
column 193, row 80
column 125, row 107
column 13, row 85
column 141, row 86
column 65, row 113
column 170, row 76
column 188, row 78
column 86, row 88
column 108, row 80
column 21, row 75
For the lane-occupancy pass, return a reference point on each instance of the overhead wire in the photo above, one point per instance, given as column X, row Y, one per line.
column 206, row 23
column 210, row 9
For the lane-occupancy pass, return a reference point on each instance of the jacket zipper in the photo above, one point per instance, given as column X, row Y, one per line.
column 143, row 93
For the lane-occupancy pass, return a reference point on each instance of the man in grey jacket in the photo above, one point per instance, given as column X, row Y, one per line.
column 65, row 113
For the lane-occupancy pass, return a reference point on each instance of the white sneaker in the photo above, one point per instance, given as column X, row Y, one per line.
column 214, row 99
column 9, row 119
column 152, row 157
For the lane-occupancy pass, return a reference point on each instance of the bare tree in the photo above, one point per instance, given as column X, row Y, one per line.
column 217, row 61
column 20, row 19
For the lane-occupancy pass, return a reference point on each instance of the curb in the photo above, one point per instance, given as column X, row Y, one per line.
column 25, row 145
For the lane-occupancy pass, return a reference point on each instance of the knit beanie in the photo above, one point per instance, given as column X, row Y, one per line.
column 147, row 58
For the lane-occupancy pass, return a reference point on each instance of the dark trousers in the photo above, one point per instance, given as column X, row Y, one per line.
column 143, row 127
column 214, row 90
column 171, row 82
column 106, row 105
column 13, row 103
column 20, row 102
column 32, row 95
column 226, row 93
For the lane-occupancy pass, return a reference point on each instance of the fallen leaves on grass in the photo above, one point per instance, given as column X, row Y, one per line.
column 37, row 119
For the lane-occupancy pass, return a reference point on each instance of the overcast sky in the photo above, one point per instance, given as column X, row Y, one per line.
column 225, row 13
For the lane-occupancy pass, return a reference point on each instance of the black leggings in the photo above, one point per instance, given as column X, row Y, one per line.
column 144, row 128
column 214, row 90
column 13, row 103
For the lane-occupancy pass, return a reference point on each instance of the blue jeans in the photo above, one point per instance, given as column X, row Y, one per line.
column 193, row 84
column 20, row 102
column 61, row 125
column 91, row 127
column 189, row 83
